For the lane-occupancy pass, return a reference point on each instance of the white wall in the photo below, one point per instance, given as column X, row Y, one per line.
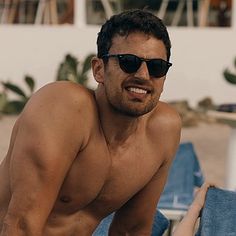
column 38, row 50
column 199, row 56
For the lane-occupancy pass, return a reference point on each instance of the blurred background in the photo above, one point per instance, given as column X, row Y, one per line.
column 42, row 41
column 46, row 40
column 35, row 36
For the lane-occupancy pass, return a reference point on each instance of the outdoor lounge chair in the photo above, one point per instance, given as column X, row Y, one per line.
column 218, row 216
column 159, row 226
column 185, row 174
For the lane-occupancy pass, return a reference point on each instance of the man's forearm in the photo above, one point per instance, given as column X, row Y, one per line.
column 13, row 226
column 118, row 231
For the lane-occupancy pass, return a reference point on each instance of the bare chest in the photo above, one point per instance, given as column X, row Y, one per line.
column 104, row 181
column 129, row 173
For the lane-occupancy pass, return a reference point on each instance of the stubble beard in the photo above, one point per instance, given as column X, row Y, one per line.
column 130, row 108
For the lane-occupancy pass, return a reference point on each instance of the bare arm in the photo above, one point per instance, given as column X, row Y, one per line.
column 46, row 144
column 136, row 216
column 187, row 225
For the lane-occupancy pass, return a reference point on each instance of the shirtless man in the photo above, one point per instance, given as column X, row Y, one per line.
column 75, row 155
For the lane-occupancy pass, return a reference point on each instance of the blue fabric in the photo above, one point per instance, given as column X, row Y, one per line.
column 185, row 174
column 159, row 226
column 219, row 214
column 103, row 227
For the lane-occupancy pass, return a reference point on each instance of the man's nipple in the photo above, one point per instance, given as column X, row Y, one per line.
column 65, row 199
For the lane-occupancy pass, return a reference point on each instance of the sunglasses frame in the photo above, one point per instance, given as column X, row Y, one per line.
column 140, row 60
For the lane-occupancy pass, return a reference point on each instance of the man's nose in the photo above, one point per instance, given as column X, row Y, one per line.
column 142, row 71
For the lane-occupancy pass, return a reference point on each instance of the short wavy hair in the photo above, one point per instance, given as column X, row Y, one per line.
column 128, row 22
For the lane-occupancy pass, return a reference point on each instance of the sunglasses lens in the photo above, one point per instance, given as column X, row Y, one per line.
column 157, row 67
column 129, row 63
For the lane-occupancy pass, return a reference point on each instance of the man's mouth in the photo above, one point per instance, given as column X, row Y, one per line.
column 137, row 90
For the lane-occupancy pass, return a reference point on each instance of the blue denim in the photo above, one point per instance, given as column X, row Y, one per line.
column 185, row 174
column 218, row 216
column 159, row 226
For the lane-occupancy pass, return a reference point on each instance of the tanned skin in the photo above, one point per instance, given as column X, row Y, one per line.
column 74, row 158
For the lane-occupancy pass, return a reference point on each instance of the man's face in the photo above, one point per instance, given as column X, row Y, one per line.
column 137, row 93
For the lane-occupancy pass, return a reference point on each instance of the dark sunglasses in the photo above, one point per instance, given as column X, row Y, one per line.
column 130, row 63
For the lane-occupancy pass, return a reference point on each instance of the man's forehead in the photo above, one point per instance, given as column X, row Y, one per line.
column 137, row 41
column 134, row 34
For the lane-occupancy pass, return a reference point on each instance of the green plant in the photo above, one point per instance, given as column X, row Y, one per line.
column 3, row 100
column 70, row 69
column 229, row 76
column 15, row 106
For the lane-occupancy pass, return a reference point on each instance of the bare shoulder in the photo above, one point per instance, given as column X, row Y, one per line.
column 61, row 108
column 165, row 117
column 164, row 127
column 65, row 94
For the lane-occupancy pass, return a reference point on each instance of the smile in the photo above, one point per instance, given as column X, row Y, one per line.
column 137, row 90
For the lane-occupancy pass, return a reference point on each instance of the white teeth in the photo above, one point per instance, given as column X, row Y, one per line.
column 137, row 90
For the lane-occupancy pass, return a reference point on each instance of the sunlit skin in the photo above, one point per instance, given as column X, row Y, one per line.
column 117, row 83
column 76, row 156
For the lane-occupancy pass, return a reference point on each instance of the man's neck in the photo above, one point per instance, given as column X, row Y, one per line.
column 118, row 128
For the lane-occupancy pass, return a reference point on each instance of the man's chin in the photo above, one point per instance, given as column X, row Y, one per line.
column 133, row 111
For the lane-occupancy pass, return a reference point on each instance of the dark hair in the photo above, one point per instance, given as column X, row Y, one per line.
column 128, row 22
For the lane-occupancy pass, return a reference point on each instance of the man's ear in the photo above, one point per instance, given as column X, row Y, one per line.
column 98, row 69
